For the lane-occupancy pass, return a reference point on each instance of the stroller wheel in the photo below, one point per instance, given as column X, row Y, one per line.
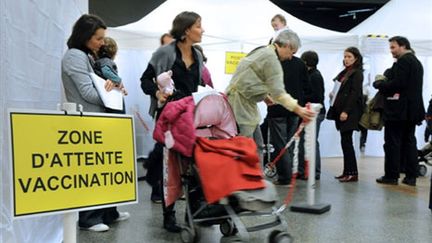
column 230, row 239
column 270, row 171
column 422, row 170
column 227, row 228
column 277, row 236
column 187, row 235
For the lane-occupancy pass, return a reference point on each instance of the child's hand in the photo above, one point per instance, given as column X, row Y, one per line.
column 124, row 91
column 122, row 88
column 109, row 85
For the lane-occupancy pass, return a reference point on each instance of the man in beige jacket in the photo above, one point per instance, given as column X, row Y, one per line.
column 259, row 77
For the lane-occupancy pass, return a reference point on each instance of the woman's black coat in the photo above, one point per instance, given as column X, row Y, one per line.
column 349, row 100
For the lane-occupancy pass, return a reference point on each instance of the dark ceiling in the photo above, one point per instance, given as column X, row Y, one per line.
column 340, row 15
column 116, row 13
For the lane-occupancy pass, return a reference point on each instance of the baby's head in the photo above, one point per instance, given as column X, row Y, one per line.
column 165, row 82
column 109, row 49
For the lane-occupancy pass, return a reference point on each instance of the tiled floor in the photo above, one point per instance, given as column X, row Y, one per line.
column 360, row 212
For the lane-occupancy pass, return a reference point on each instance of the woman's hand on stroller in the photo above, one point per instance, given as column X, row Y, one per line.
column 161, row 96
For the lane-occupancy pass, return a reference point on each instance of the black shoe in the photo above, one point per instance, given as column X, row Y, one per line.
column 156, row 195
column 302, row 177
column 388, row 181
column 170, row 224
column 409, row 181
column 282, row 183
column 145, row 163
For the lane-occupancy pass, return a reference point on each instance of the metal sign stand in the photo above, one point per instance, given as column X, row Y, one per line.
column 70, row 218
column 310, row 152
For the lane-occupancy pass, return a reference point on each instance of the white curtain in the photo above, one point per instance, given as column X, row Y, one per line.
column 131, row 65
column 32, row 42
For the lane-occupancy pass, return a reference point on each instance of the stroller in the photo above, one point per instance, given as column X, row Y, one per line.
column 215, row 128
column 424, row 157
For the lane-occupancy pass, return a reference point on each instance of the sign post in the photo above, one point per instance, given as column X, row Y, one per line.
column 70, row 218
column 310, row 153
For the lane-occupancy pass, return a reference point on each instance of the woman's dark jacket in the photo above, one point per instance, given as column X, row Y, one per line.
column 349, row 99
column 316, row 83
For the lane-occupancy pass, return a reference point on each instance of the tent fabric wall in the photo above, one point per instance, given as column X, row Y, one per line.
column 245, row 22
column 249, row 27
column 131, row 65
column 33, row 37
column 412, row 19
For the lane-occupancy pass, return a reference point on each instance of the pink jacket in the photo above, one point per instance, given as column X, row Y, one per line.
column 178, row 117
column 206, row 77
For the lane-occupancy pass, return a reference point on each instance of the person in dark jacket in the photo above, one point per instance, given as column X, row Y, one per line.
column 430, row 196
column 348, row 108
column 282, row 122
column 403, row 109
column 186, row 63
column 314, row 94
column 428, row 133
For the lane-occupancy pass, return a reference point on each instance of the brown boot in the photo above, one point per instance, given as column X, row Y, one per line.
column 349, row 178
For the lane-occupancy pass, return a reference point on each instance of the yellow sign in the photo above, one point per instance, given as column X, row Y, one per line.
column 65, row 162
column 232, row 59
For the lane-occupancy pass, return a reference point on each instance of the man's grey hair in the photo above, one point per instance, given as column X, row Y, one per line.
column 287, row 37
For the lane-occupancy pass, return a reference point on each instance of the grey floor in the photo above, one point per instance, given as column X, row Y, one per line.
column 360, row 212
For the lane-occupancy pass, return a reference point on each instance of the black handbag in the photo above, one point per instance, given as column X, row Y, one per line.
column 331, row 114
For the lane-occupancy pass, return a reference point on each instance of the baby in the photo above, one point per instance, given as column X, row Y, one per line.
column 105, row 66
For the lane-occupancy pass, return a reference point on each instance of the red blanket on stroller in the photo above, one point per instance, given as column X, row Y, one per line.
column 227, row 165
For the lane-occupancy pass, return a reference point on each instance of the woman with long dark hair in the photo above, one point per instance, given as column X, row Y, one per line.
column 78, row 62
column 186, row 64
column 347, row 109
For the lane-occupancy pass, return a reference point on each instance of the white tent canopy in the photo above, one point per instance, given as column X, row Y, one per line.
column 235, row 25
column 244, row 22
column 412, row 19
